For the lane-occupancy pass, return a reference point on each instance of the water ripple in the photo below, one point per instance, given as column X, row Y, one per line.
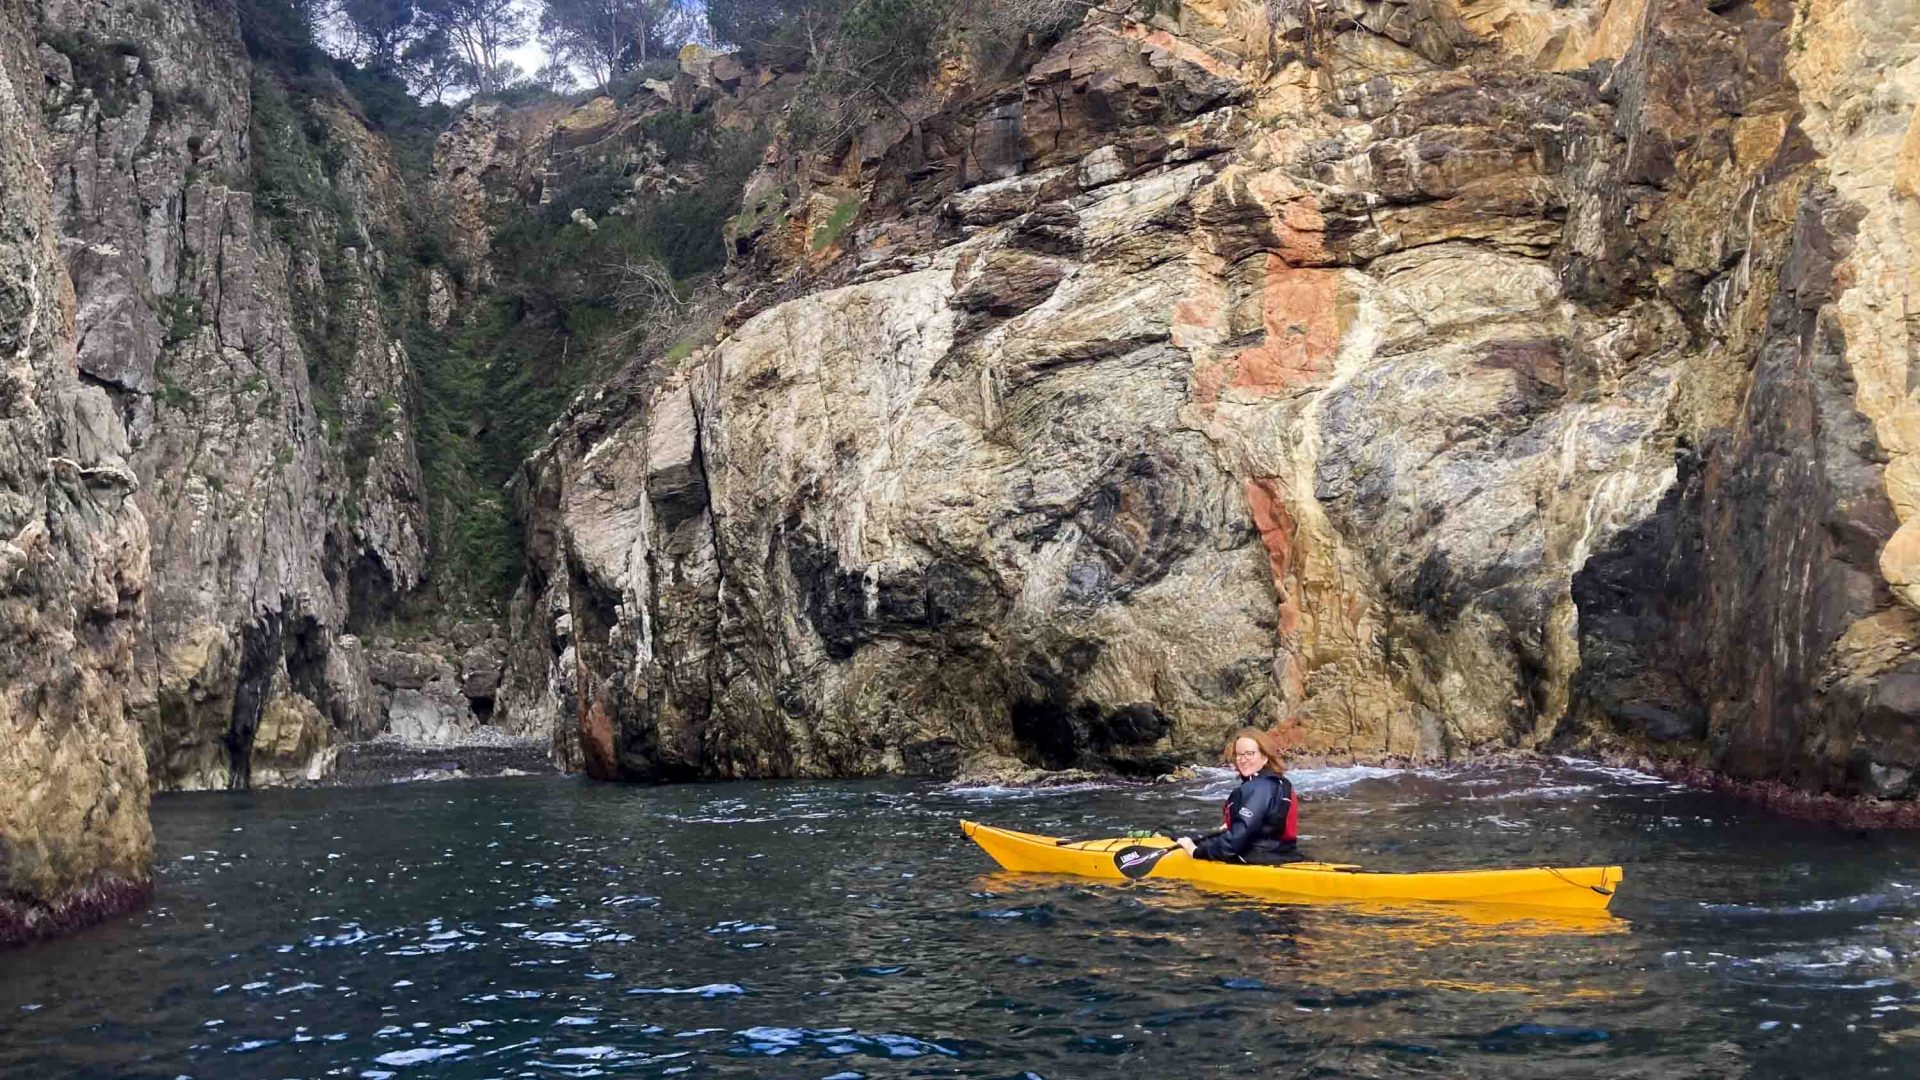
column 555, row 927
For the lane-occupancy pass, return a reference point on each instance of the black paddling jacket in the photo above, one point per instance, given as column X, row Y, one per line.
column 1261, row 819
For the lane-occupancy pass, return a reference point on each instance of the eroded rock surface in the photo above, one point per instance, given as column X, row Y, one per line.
column 438, row 693
column 1413, row 378
column 74, row 574
column 281, row 487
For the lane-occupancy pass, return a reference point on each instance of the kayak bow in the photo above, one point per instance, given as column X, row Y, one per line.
column 1580, row 888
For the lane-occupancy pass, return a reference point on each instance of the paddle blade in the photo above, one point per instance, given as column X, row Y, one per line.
column 1138, row 861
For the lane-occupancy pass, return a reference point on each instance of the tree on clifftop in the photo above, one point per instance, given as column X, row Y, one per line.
column 480, row 32
column 434, row 46
column 784, row 33
column 603, row 39
column 862, row 55
column 378, row 30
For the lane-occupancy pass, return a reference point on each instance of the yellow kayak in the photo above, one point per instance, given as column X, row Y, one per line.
column 1580, row 888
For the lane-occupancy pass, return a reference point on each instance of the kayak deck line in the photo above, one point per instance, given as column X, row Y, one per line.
column 1109, row 846
column 1581, row 888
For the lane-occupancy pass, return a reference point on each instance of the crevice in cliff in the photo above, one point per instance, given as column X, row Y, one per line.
column 372, row 596
column 123, row 399
column 701, row 433
column 260, row 660
column 1054, row 727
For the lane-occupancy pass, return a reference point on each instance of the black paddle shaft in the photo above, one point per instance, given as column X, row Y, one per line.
column 1137, row 860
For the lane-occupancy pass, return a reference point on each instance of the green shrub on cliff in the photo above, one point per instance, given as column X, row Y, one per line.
column 476, row 545
column 568, row 306
column 572, row 304
column 112, row 71
column 293, row 159
column 831, row 229
column 863, row 55
column 181, row 316
column 291, row 162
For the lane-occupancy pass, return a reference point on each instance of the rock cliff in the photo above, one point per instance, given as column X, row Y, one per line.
column 238, row 333
column 1415, row 378
column 74, row 571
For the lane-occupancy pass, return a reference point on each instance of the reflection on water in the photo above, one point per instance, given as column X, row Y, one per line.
column 552, row 927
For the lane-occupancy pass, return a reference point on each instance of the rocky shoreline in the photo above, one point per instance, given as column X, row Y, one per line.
column 387, row 760
column 103, row 898
column 391, row 761
column 1849, row 812
column 1413, row 380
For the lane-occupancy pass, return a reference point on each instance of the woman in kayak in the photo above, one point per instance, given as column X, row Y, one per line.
column 1261, row 814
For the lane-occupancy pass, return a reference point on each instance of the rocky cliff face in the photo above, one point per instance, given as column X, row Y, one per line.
column 1759, row 621
column 260, row 392
column 74, row 571
column 1415, row 378
column 252, row 273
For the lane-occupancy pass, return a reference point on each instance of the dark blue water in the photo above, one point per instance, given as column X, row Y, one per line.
column 541, row 927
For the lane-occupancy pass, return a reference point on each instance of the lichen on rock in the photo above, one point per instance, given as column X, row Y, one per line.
column 75, row 844
column 1411, row 380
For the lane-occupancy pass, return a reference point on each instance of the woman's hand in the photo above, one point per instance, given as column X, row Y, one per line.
column 1186, row 843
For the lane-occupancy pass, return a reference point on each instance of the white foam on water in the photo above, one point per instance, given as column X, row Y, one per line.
column 1320, row 781
column 1619, row 773
column 996, row 792
column 1218, row 782
column 1558, row 791
column 710, row 990
column 421, row 1055
column 1828, row 967
column 1859, row 902
column 837, row 1041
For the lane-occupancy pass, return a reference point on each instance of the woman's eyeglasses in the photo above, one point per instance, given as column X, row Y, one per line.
column 1249, row 754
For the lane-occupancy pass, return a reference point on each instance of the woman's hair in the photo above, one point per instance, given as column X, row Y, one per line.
column 1262, row 739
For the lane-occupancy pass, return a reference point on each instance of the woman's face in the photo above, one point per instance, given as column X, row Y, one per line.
column 1247, row 758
